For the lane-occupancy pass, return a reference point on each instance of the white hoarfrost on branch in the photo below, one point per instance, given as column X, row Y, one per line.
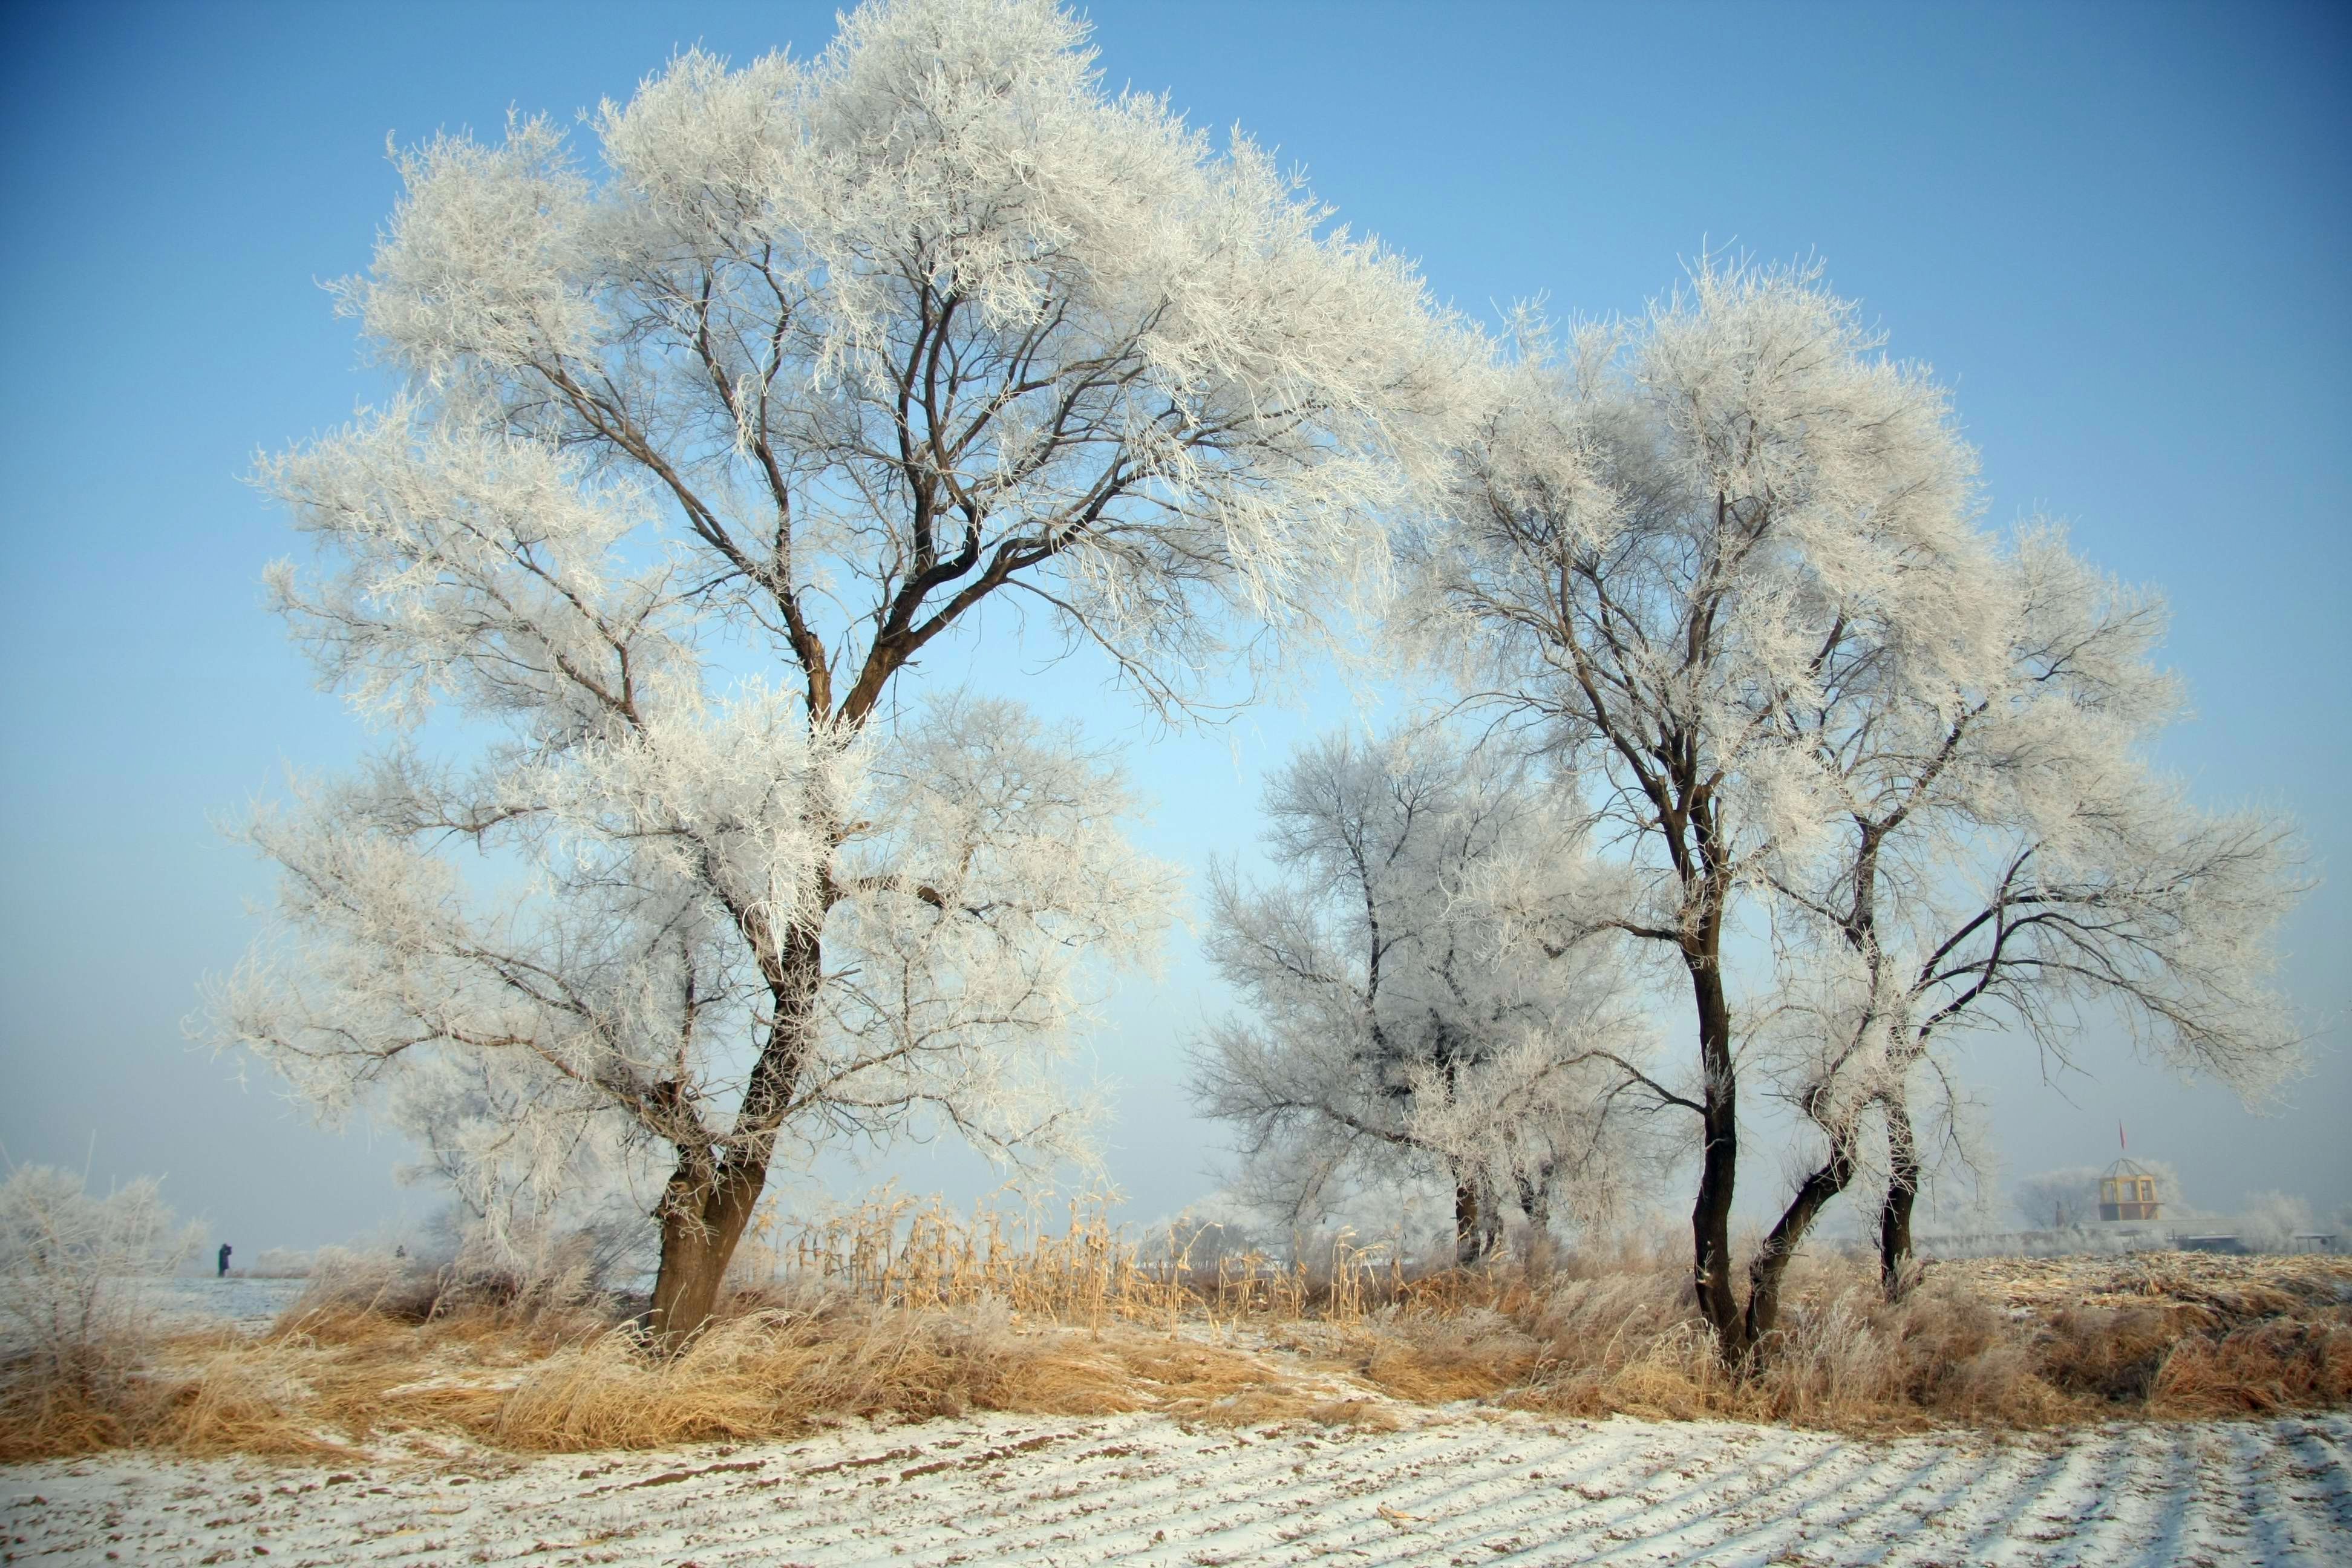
column 698, row 451
column 2005, row 858
column 75, row 1273
column 1724, row 565
column 1395, row 1027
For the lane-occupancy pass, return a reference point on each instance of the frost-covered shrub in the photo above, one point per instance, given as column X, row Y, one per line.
column 2271, row 1221
column 70, row 1308
column 280, row 1263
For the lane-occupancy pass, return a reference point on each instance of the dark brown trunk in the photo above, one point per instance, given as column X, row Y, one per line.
column 1895, row 1270
column 1470, row 1225
column 1771, row 1262
column 1535, row 1202
column 712, row 1196
column 698, row 1242
column 1720, row 1162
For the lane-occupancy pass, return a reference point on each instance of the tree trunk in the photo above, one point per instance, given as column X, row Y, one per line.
column 1535, row 1202
column 1764, row 1275
column 1470, row 1224
column 1719, row 1165
column 698, row 1242
column 1895, row 1271
column 710, row 1198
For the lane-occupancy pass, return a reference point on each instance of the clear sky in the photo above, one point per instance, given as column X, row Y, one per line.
column 2118, row 232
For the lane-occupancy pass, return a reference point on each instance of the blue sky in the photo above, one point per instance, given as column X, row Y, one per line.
column 2119, row 233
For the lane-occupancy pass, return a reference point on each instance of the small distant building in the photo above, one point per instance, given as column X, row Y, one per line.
column 2128, row 1192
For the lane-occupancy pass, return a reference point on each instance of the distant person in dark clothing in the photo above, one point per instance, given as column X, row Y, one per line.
column 223, row 1261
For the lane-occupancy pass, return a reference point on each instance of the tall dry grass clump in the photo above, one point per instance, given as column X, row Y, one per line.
column 902, row 1252
column 1619, row 1332
column 2185, row 1336
column 773, row 1372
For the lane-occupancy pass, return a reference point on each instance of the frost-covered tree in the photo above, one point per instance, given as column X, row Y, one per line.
column 1393, row 1025
column 2272, row 1222
column 1662, row 535
column 2059, row 1199
column 701, row 446
column 2007, row 857
column 1723, row 564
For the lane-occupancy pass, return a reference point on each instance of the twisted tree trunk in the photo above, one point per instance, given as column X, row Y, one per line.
column 1771, row 1261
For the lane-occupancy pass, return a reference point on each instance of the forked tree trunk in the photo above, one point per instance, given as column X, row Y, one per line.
column 1895, row 1270
column 710, row 1199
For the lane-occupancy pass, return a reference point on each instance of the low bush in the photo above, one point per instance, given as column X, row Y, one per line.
column 76, row 1323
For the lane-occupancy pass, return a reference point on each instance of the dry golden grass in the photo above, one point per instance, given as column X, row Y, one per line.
column 901, row 1252
column 905, row 1312
column 40, row 1420
column 2089, row 1341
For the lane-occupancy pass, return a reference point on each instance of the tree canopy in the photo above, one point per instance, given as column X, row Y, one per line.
column 700, row 447
column 1393, row 1023
column 1723, row 564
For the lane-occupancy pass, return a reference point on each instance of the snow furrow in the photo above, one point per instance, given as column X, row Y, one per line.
column 2000, row 1509
column 1842, row 1505
column 1634, row 1489
column 2144, row 1510
column 2291, row 1519
column 1407, row 1523
column 1140, row 1490
column 1331, row 1486
column 2331, row 1474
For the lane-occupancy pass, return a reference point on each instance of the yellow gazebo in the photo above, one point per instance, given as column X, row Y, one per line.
column 2127, row 1192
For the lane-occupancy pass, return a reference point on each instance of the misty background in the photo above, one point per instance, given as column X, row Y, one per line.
column 2117, row 234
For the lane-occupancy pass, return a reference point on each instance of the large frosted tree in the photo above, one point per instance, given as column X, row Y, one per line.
column 1724, row 564
column 701, row 445
column 2004, row 857
column 1392, row 1023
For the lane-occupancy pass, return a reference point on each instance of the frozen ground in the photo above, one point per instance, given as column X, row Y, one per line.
column 1454, row 1488
column 188, row 1302
column 249, row 1304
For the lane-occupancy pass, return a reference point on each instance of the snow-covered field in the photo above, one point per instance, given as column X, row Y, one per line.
column 1454, row 1487
column 249, row 1304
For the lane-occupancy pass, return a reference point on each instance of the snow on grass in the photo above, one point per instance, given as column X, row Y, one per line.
column 1454, row 1487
